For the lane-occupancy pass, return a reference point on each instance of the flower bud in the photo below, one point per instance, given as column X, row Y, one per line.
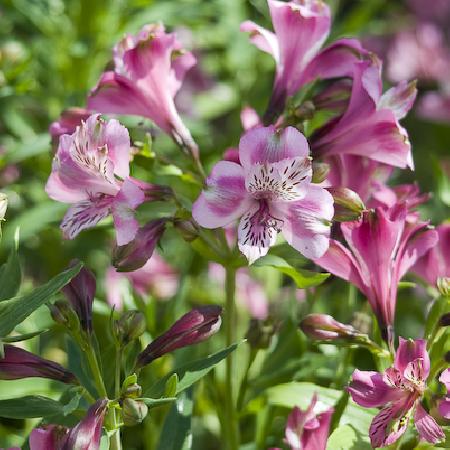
column 348, row 205
column 444, row 321
column 130, row 326
column 132, row 391
column 443, row 285
column 63, row 314
column 133, row 412
column 18, row 363
column 187, row 229
column 194, row 327
column 325, row 328
column 80, row 293
column 3, row 205
column 320, row 172
column 259, row 334
column 135, row 254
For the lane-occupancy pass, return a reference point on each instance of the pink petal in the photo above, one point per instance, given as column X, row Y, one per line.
column 369, row 389
column 399, row 99
column 410, row 350
column 444, row 408
column 57, row 190
column 316, row 438
column 307, row 222
column 445, row 379
column 427, row 427
column 249, row 118
column 225, row 198
column 264, row 39
column 85, row 215
column 116, row 287
column 265, row 144
column 117, row 139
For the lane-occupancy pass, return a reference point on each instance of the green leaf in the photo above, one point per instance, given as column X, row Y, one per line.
column 346, row 437
column 299, row 394
column 22, row 337
column 191, row 372
column 155, row 402
column 171, row 385
column 176, row 433
column 30, row 406
column 16, row 310
column 10, row 276
column 440, row 306
column 303, row 278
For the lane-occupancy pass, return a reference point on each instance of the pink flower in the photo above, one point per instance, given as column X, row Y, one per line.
column 91, row 172
column 444, row 405
column 149, row 70
column 398, row 391
column 436, row 262
column 370, row 126
column 270, row 191
column 68, row 122
column 307, row 430
column 156, row 277
column 383, row 246
column 301, row 27
column 85, row 435
column 435, row 106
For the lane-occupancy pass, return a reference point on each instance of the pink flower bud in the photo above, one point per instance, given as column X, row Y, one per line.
column 348, row 205
column 326, row 328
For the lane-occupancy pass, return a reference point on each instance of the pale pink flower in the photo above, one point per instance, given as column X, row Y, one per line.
column 91, row 171
column 444, row 405
column 300, row 29
column 370, row 126
column 68, row 122
column 149, row 69
column 383, row 246
column 270, row 191
column 435, row 106
column 398, row 391
column 308, row 430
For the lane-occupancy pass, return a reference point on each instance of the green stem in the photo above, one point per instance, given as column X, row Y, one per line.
column 95, row 370
column 230, row 330
column 115, row 442
column 244, row 382
column 117, row 375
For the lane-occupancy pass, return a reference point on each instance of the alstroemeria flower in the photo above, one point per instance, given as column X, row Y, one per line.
column 436, row 262
column 370, row 126
column 398, row 391
column 308, row 430
column 271, row 191
column 91, row 171
column 301, row 27
column 85, row 435
column 444, row 405
column 383, row 246
column 67, row 123
column 18, row 363
column 149, row 70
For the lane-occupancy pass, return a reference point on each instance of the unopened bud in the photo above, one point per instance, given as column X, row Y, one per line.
column 325, row 328
column 259, row 333
column 3, row 205
column 444, row 321
column 187, row 229
column 130, row 326
column 320, row 172
column 63, row 314
column 132, row 391
column 443, row 285
column 348, row 205
column 306, row 110
column 133, row 412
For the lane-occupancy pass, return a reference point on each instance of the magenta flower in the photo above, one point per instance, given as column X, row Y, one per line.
column 370, row 126
column 307, row 430
column 91, row 172
column 81, row 292
column 301, row 27
column 398, row 391
column 18, row 363
column 85, row 435
column 195, row 326
column 67, row 123
column 444, row 405
column 149, row 70
column 271, row 191
column 327, row 328
column 435, row 106
column 383, row 246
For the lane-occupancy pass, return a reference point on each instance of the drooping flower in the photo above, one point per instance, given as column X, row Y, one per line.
column 149, row 69
column 444, row 405
column 308, row 430
column 383, row 246
column 301, row 27
column 91, row 171
column 155, row 277
column 18, row 363
column 80, row 292
column 85, row 435
column 398, row 391
column 370, row 126
column 270, row 191
column 195, row 326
